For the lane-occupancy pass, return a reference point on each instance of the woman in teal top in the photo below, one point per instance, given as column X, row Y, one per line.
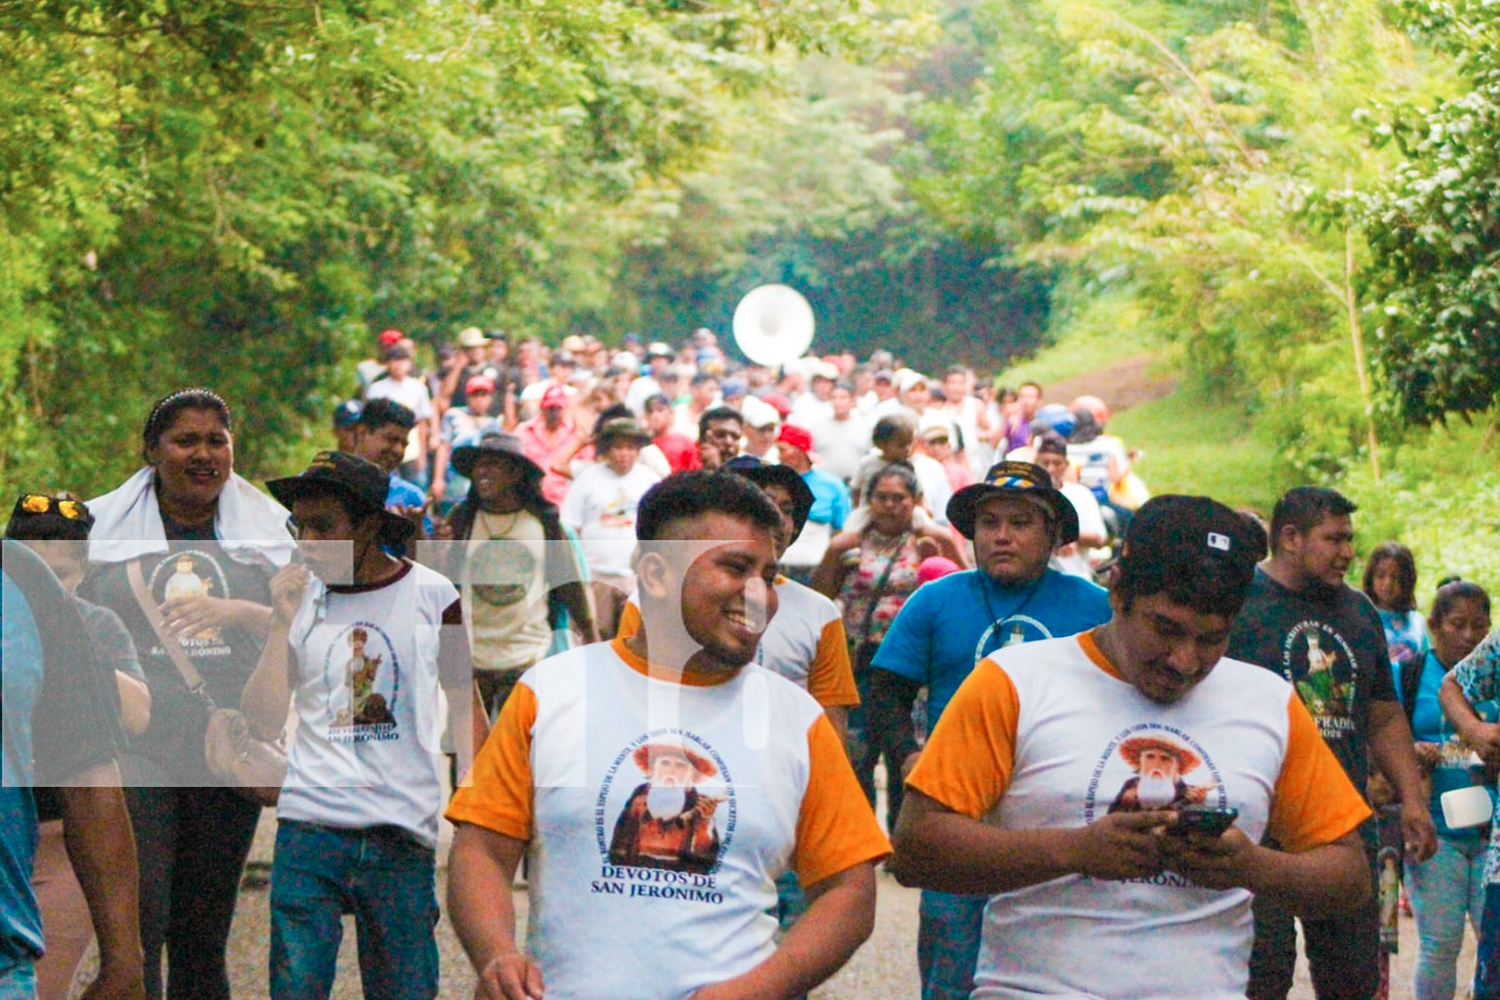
column 1451, row 883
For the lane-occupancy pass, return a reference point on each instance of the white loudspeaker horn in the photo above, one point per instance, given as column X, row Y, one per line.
column 773, row 324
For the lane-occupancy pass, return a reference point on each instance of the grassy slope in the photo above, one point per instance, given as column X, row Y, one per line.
column 1439, row 493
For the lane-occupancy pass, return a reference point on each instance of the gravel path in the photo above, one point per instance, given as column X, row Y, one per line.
column 884, row 969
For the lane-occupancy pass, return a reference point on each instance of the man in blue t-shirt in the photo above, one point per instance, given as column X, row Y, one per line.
column 59, row 730
column 1015, row 518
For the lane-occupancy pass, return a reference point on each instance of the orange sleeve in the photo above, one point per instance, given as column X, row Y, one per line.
column 836, row 829
column 630, row 621
column 830, row 678
column 1315, row 803
column 971, row 753
column 500, row 795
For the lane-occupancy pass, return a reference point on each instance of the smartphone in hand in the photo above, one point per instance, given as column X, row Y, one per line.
column 1210, row 822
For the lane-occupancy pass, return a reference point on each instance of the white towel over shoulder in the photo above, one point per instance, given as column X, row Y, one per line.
column 251, row 527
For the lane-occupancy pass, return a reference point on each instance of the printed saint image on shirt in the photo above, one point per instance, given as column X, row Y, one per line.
column 185, row 575
column 1327, row 687
column 668, row 821
column 1161, row 767
column 367, row 706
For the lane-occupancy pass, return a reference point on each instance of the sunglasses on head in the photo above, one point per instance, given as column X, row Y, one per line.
column 68, row 506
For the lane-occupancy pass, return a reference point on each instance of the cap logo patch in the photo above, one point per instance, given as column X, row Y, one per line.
column 1218, row 541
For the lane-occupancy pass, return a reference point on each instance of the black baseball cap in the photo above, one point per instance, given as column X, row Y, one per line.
column 1186, row 536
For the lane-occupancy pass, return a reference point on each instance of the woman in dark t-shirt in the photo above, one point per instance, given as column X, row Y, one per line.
column 206, row 543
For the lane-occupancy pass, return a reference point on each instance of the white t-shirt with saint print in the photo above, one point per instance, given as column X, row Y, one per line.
column 1049, row 735
column 648, row 885
column 369, row 663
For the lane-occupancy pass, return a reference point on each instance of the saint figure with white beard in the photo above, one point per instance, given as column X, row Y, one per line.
column 667, row 823
column 1160, row 766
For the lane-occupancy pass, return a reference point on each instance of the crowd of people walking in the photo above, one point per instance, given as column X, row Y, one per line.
column 660, row 622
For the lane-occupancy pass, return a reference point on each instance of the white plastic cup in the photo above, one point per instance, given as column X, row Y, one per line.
column 1466, row 807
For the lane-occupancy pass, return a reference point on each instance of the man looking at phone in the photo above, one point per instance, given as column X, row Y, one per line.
column 1012, row 794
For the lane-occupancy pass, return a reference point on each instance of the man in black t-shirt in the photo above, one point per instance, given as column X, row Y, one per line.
column 1303, row 621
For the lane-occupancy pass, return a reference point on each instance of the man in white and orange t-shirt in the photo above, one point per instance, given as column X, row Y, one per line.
column 1062, row 773
column 805, row 642
column 659, row 785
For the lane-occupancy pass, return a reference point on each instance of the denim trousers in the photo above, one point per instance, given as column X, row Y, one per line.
column 948, row 933
column 1487, row 969
column 1443, row 890
column 386, row 878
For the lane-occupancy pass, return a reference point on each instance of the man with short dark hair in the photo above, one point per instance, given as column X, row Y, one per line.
column 661, row 783
column 718, row 436
column 380, row 437
column 1011, row 797
column 402, row 386
column 1302, row 622
column 842, row 438
column 1015, row 519
column 680, row 451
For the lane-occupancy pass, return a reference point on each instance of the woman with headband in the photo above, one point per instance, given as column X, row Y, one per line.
column 188, row 538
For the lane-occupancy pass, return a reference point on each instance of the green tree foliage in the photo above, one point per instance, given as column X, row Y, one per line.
column 1434, row 229
column 1158, row 157
column 237, row 193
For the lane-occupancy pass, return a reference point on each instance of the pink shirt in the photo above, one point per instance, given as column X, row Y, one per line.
column 542, row 447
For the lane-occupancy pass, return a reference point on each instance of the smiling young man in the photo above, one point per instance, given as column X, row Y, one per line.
column 1016, row 518
column 660, row 784
column 1012, row 796
column 1304, row 623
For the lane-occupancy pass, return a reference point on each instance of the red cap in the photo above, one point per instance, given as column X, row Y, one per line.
column 796, row 437
column 479, row 383
column 390, row 338
column 777, row 402
column 555, row 398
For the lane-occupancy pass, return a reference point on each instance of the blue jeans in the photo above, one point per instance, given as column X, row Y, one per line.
column 948, row 934
column 1487, row 969
column 386, row 878
column 1443, row 889
column 19, row 981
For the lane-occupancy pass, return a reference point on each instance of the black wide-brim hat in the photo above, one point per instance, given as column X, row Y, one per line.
column 465, row 457
column 1022, row 479
column 766, row 474
column 359, row 483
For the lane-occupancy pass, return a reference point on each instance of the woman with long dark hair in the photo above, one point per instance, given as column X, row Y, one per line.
column 189, row 539
column 1390, row 583
column 516, row 568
